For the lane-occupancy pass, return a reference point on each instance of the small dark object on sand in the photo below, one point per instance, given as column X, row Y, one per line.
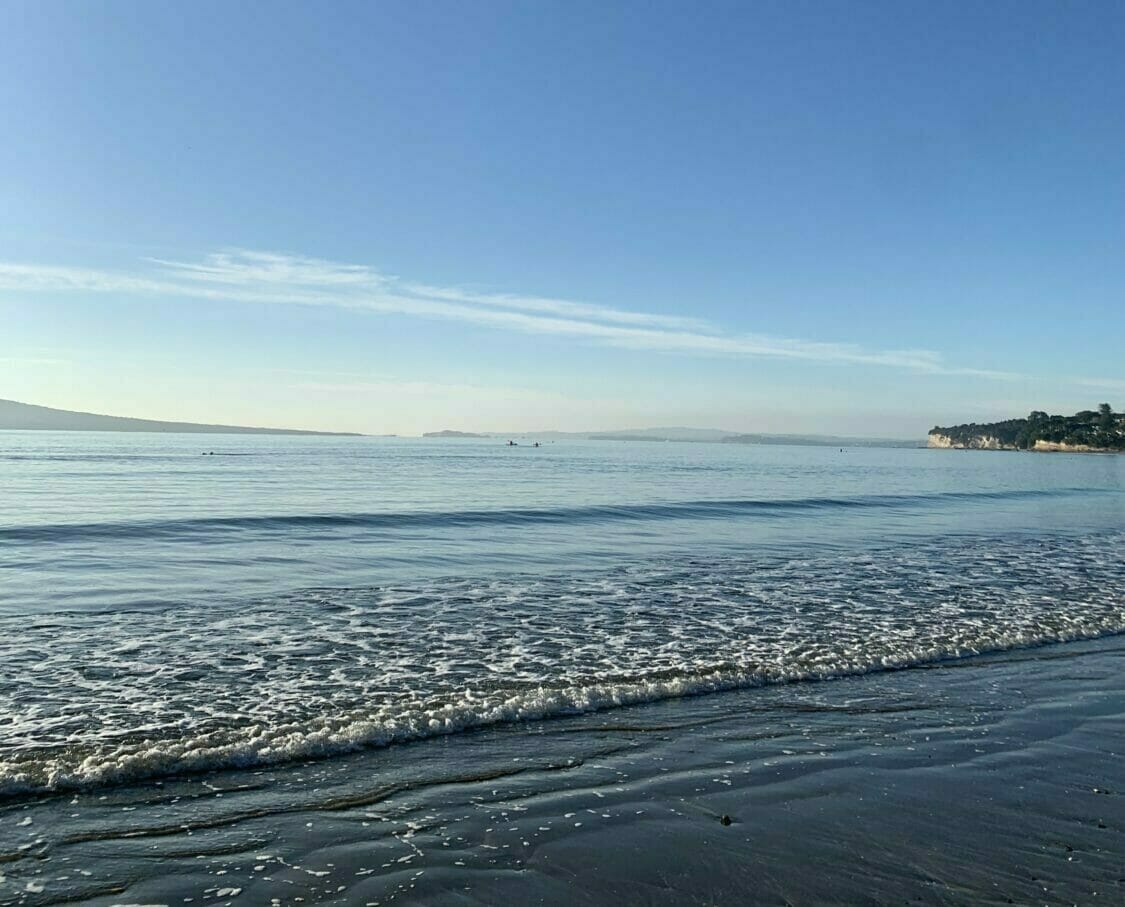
column 725, row 820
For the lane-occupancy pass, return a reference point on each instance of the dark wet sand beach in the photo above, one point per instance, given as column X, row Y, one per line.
column 997, row 779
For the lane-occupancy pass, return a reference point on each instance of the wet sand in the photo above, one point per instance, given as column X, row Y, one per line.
column 998, row 779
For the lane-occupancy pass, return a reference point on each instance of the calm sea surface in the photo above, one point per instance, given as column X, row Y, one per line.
column 163, row 610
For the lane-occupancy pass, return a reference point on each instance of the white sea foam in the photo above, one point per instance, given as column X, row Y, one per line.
column 91, row 700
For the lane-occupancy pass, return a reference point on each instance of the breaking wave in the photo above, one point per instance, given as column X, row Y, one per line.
column 89, row 700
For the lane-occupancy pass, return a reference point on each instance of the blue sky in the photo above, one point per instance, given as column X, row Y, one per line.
column 396, row 217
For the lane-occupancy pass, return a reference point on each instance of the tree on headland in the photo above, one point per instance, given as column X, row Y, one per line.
column 1105, row 416
column 1102, row 429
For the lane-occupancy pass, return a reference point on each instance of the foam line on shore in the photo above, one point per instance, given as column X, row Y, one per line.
column 288, row 744
column 105, row 699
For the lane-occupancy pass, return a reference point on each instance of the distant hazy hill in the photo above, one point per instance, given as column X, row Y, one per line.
column 449, row 433
column 27, row 417
column 821, row 441
column 659, row 434
column 713, row 435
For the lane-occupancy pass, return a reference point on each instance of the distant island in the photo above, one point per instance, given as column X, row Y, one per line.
column 725, row 437
column 657, row 434
column 820, row 441
column 1094, row 431
column 693, row 435
column 16, row 416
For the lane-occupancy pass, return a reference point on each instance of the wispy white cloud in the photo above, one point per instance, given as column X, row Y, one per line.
column 44, row 278
column 244, row 267
column 258, row 270
column 269, row 277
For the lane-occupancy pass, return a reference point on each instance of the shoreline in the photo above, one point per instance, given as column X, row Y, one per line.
column 979, row 780
column 1052, row 449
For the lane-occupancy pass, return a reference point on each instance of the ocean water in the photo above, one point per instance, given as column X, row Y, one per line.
column 164, row 610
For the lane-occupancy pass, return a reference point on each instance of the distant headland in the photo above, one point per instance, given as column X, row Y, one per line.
column 449, row 433
column 28, row 417
column 1090, row 431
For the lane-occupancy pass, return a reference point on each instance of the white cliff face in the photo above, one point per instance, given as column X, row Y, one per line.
column 980, row 442
column 1062, row 447
column 989, row 442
